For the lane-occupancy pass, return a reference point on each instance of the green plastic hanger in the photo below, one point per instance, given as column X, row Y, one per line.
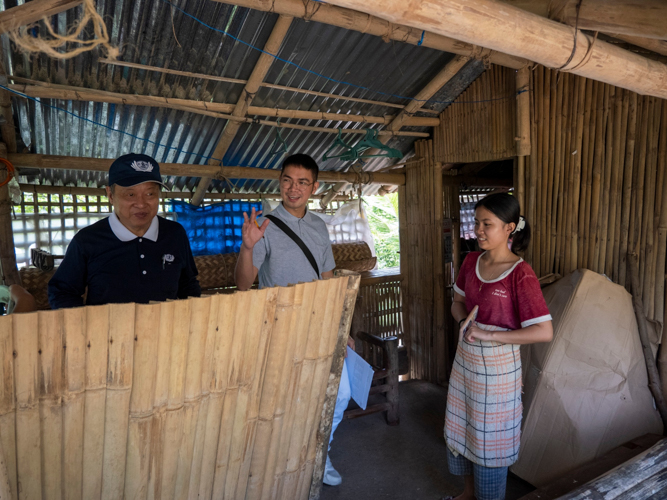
column 349, row 153
column 371, row 141
column 279, row 145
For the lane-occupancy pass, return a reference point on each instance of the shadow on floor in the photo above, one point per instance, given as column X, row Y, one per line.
column 408, row 461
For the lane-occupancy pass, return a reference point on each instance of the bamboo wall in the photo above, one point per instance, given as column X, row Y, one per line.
column 473, row 128
column 216, row 397
column 595, row 181
column 421, row 212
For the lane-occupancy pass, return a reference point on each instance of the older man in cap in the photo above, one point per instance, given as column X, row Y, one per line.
column 132, row 255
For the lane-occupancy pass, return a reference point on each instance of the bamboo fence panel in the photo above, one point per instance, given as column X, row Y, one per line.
column 592, row 185
column 422, row 261
column 604, row 194
column 475, row 127
column 215, row 397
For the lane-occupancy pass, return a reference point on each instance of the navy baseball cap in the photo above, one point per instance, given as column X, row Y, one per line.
column 130, row 170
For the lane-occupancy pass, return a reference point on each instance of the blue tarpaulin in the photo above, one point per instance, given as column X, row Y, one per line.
column 213, row 229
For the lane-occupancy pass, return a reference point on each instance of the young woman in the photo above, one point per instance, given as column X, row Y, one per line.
column 483, row 420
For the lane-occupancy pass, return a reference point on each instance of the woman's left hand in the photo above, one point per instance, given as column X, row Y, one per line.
column 476, row 333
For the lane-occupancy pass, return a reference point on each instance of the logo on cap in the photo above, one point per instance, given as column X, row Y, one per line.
column 142, row 166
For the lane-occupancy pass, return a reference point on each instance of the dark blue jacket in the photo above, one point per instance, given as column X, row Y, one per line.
column 114, row 271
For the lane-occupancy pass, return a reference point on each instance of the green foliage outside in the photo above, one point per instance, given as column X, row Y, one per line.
column 382, row 213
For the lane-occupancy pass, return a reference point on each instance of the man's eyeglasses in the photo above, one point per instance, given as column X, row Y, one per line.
column 301, row 184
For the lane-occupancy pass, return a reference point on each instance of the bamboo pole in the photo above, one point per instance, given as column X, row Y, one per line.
column 571, row 125
column 41, row 90
column 561, row 167
column 74, row 378
column 615, row 195
column 26, row 379
column 139, row 436
column 102, row 165
column 576, row 174
column 10, row 273
column 662, row 225
column 225, row 356
column 173, row 424
column 50, row 410
column 596, row 178
column 192, row 391
column 555, row 168
column 513, row 31
column 628, row 177
column 119, row 386
column 215, row 78
column 356, row 21
column 8, row 458
column 619, row 204
column 600, row 252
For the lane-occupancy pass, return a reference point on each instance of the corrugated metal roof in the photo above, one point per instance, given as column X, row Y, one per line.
column 152, row 32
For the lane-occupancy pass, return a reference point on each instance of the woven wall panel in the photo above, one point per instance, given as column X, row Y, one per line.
column 216, row 397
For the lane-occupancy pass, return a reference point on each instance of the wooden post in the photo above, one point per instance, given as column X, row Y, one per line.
column 10, row 273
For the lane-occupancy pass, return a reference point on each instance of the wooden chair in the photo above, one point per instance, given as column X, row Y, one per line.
column 382, row 354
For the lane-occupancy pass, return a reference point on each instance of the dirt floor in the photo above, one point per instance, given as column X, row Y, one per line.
column 407, row 461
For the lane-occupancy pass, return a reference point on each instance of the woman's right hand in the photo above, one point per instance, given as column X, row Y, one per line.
column 251, row 231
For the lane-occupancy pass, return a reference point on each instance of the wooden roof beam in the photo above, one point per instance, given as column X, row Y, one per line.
column 191, row 170
column 32, row 12
column 34, row 88
column 511, row 30
column 257, row 76
column 642, row 18
column 356, row 20
column 224, row 79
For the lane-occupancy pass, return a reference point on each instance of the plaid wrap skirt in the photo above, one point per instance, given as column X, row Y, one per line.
column 483, row 419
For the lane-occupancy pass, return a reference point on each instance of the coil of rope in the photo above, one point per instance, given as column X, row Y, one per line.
column 10, row 171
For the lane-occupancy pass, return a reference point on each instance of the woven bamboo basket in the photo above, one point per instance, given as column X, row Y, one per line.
column 214, row 397
column 215, row 271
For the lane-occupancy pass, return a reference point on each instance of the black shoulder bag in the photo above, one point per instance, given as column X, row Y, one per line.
column 285, row 229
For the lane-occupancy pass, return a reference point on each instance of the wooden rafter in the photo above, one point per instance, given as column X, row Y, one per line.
column 644, row 18
column 511, row 30
column 34, row 88
column 355, row 20
column 203, row 76
column 260, row 70
column 446, row 74
column 189, row 170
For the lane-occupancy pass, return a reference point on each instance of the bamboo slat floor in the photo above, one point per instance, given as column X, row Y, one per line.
column 402, row 462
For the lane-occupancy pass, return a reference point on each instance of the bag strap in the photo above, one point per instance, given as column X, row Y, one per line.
column 285, row 229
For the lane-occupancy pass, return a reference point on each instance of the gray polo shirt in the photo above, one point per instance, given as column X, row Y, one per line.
column 280, row 261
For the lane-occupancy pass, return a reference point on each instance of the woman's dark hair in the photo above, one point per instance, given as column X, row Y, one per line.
column 507, row 209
